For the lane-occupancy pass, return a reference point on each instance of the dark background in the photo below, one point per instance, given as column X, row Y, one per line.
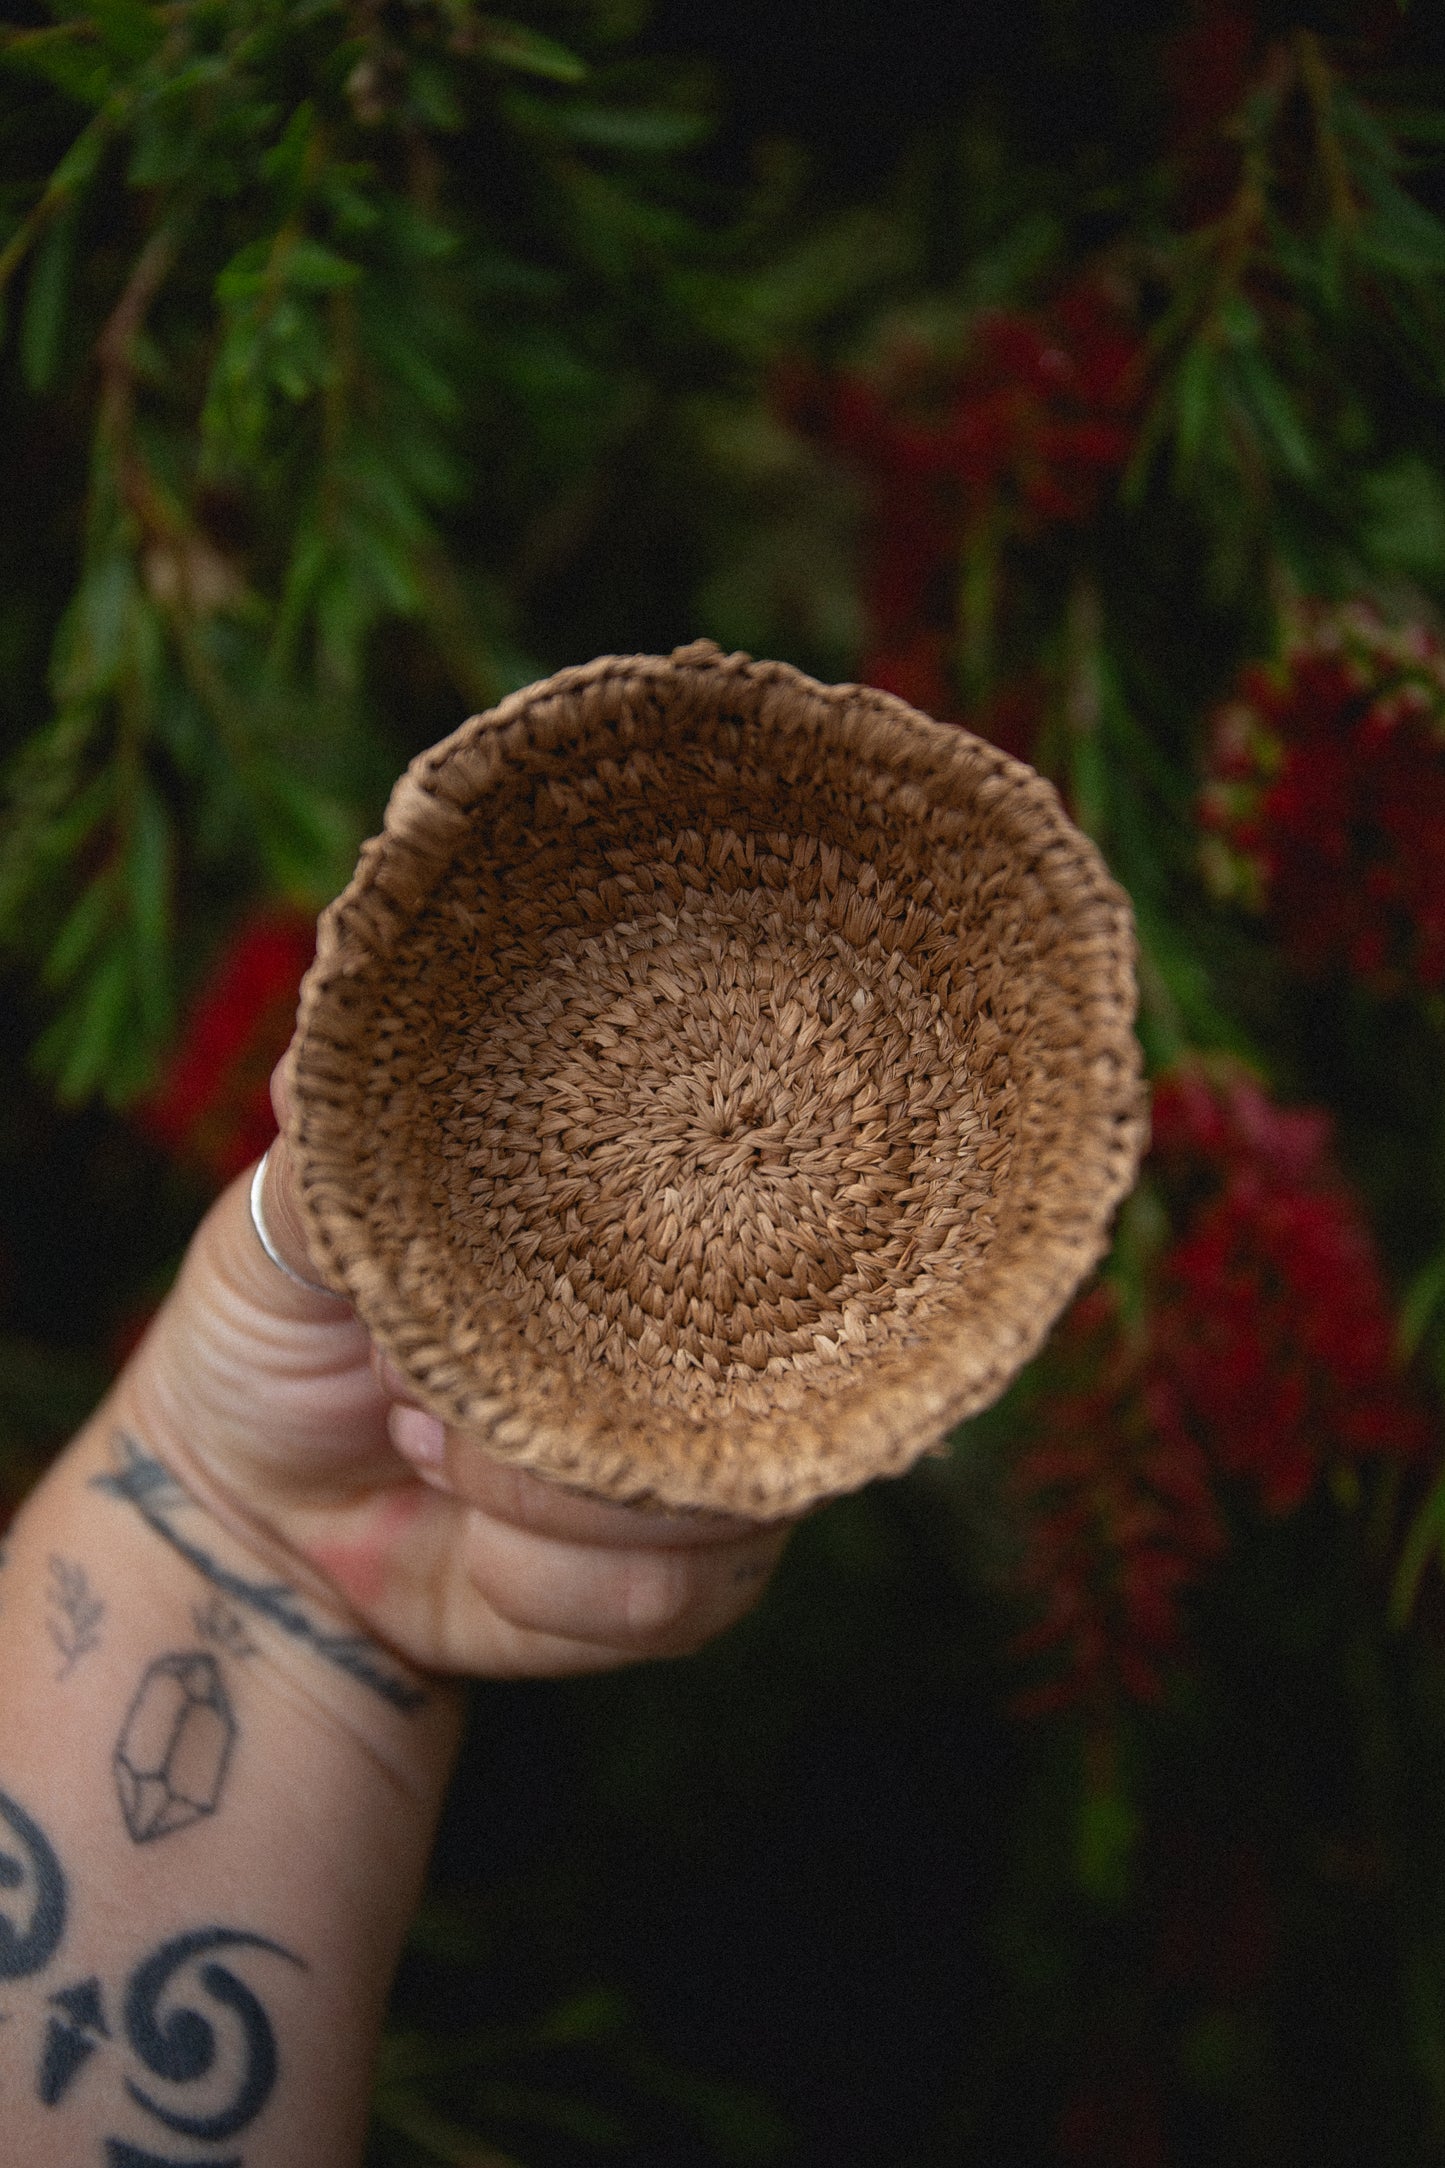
column 827, row 1894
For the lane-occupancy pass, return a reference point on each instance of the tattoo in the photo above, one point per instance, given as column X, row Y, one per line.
column 71, row 2039
column 175, row 1746
column 144, row 1483
column 198, row 2038
column 216, row 1621
column 28, row 1949
column 179, row 2046
column 75, row 1613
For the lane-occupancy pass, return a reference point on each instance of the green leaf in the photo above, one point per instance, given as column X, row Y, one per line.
column 1273, row 409
column 807, row 281
column 342, row 189
column 92, row 641
column 244, row 274
column 128, row 28
column 83, row 932
column 1089, row 784
column 439, row 2138
column 1240, row 321
column 1422, row 124
column 1426, row 1538
column 1179, row 1009
column 1404, row 528
column 524, row 51
column 1422, row 1304
column 285, row 161
column 307, row 839
column 596, row 2014
column 1196, row 403
column 148, row 896
column 51, row 816
column 317, row 269
column 1401, row 235
column 86, row 1045
column 43, row 320
column 77, row 168
column 645, row 131
column 65, row 56
column 432, row 99
column 1105, row 1842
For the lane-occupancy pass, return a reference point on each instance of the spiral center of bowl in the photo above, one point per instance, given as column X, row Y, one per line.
column 710, row 1141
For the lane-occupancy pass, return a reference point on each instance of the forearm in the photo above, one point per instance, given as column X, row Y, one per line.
column 217, row 1797
column 220, row 1769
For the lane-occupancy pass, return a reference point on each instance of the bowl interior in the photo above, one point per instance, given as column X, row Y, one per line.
column 727, row 1078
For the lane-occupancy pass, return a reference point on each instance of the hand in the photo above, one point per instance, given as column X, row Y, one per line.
column 269, row 1401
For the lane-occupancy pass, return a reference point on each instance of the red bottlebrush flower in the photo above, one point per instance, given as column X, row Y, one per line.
column 1224, row 1119
column 211, row 1107
column 1104, row 353
column 1021, row 432
column 1042, row 411
column 911, row 541
column 1118, row 1517
column 1325, row 803
column 1013, row 716
column 1272, row 1333
column 914, row 671
column 1265, row 1356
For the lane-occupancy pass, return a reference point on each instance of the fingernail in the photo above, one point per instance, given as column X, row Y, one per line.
column 419, row 1438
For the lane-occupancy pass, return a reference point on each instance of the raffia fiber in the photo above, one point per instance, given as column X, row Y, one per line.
column 713, row 1084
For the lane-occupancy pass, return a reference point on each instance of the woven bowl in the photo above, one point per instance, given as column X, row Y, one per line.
column 713, row 1084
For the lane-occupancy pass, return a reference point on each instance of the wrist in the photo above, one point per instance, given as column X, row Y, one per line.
column 222, row 1564
column 261, row 1399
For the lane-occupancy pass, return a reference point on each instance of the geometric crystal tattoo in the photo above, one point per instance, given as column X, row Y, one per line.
column 174, row 1747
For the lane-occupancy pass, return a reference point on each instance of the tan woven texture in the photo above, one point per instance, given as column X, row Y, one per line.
column 713, row 1084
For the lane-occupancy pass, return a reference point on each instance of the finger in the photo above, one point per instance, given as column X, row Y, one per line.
column 457, row 1594
column 515, row 1495
column 277, row 1377
column 281, row 1091
column 515, row 1653
column 397, row 1386
column 496, row 1649
column 640, row 1602
column 398, row 1557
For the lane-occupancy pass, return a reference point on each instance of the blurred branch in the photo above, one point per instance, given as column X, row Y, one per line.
column 324, row 360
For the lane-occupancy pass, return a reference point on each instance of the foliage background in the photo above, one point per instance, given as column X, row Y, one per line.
column 1078, row 373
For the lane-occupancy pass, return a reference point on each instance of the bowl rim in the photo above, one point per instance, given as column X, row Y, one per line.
column 428, row 815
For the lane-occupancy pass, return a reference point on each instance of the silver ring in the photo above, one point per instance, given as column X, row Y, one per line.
column 263, row 1236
